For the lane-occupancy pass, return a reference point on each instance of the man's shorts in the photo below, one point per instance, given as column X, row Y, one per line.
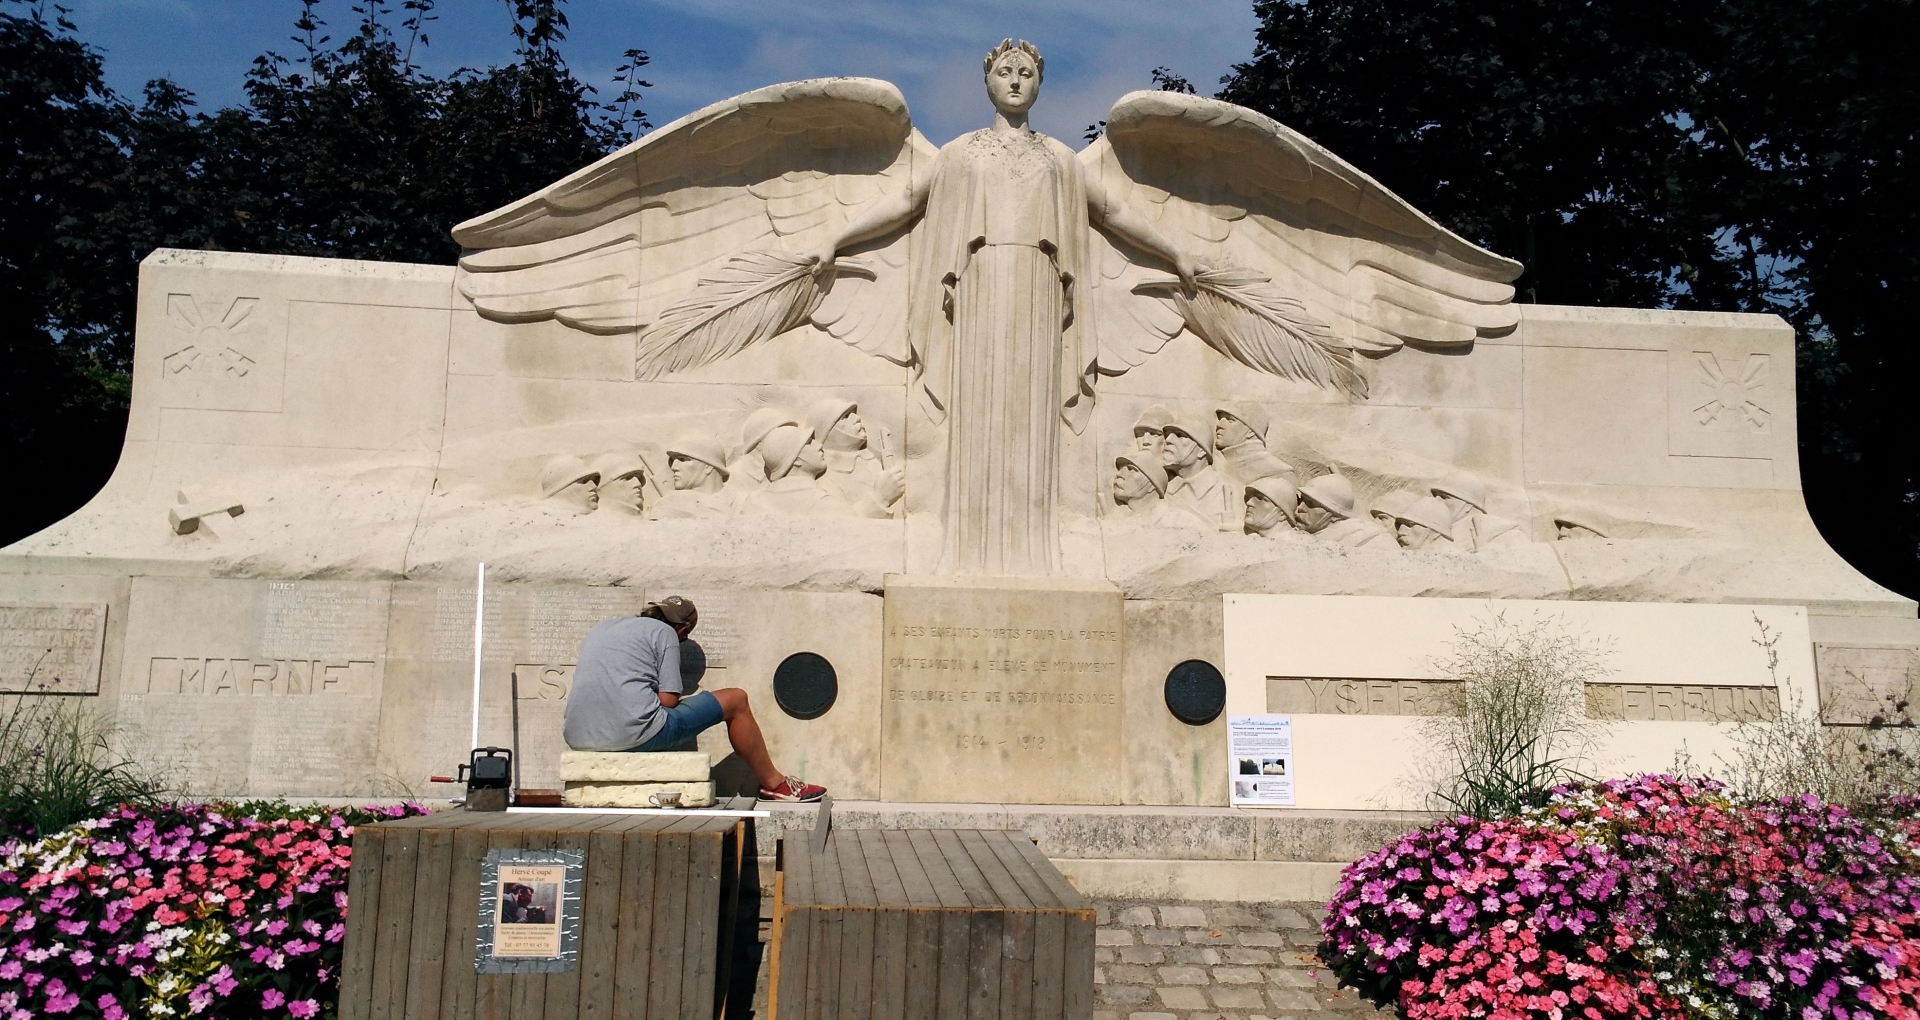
column 685, row 720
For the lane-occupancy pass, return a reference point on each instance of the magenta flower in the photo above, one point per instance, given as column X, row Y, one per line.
column 119, row 890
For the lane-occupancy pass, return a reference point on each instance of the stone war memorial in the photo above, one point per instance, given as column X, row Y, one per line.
column 1002, row 474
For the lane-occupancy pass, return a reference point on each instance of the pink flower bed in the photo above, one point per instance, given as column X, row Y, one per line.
column 189, row 910
column 1650, row 897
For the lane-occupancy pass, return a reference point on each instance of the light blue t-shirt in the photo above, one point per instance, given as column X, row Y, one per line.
column 625, row 663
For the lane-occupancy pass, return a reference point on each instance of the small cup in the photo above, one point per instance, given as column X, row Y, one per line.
column 665, row 798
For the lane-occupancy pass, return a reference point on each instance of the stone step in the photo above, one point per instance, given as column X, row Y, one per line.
column 1134, row 852
column 1127, row 832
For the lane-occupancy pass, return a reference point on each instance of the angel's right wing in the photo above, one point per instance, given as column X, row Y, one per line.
column 687, row 235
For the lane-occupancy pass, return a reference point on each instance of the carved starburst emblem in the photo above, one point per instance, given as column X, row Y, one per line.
column 211, row 332
column 1731, row 392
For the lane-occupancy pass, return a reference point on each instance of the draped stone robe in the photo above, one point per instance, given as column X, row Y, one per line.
column 1002, row 342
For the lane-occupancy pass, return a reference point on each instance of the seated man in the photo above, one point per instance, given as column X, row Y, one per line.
column 626, row 697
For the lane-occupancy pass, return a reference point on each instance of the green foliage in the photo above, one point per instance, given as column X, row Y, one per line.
column 56, row 767
column 1518, row 724
column 346, row 149
column 277, row 810
column 1740, row 155
column 1871, row 769
column 63, row 387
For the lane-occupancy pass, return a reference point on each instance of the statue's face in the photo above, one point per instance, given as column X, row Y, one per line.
column 623, row 492
column 583, row 496
column 1149, row 440
column 1230, row 431
column 849, row 433
column 1014, row 83
column 1263, row 515
column 1129, row 484
column 1456, row 506
column 813, row 457
column 689, row 473
column 1314, row 518
column 1181, row 450
column 1415, row 536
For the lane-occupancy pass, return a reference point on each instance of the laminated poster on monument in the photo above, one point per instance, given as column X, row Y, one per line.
column 1260, row 760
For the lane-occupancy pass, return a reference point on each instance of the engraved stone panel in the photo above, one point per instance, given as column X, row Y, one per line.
column 258, row 688
column 221, row 350
column 50, row 647
column 1723, row 401
column 1682, row 703
column 530, row 632
column 1001, row 690
column 1859, row 681
column 1297, row 695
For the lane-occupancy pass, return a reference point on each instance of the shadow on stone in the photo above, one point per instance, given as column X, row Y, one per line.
column 732, row 778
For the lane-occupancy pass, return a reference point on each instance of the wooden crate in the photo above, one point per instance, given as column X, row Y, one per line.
column 937, row 924
column 658, row 917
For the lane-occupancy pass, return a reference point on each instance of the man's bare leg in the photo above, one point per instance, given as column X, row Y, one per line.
column 744, row 733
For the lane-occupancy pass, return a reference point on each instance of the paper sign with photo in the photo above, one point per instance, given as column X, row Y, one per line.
column 529, row 911
column 1260, row 760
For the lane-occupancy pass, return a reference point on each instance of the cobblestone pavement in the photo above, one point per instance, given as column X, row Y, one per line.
column 1201, row 961
column 1204, row 961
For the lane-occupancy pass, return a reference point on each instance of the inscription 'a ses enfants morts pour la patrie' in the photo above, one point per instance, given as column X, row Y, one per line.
column 1017, row 692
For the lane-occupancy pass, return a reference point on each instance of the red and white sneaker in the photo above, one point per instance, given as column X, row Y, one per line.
column 793, row 791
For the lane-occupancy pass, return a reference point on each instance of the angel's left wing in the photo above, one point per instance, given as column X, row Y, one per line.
column 1308, row 259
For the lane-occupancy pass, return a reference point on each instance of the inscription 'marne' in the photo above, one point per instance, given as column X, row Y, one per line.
column 1299, row 695
column 259, row 677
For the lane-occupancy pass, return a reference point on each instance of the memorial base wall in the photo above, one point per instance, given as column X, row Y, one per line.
column 356, row 689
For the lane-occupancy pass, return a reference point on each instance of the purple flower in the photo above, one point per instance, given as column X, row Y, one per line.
column 303, row 1009
column 272, row 998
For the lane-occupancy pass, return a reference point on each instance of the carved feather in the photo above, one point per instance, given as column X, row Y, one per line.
column 754, row 296
column 1244, row 316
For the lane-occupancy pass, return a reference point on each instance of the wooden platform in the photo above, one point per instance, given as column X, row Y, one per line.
column 937, row 924
column 659, row 917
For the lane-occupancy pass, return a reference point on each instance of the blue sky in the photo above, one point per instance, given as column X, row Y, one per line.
column 706, row 50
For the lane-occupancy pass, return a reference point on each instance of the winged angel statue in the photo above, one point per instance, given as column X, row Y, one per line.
column 1005, row 270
